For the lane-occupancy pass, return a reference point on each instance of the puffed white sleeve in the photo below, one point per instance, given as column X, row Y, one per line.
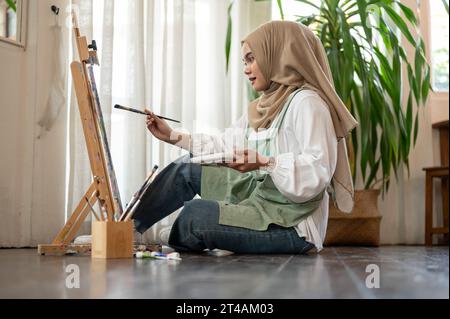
column 204, row 144
column 301, row 177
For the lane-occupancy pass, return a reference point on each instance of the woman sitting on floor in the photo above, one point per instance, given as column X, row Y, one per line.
column 273, row 197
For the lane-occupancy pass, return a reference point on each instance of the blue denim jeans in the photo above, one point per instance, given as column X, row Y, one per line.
column 197, row 227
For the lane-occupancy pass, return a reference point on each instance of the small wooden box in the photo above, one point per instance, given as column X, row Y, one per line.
column 112, row 240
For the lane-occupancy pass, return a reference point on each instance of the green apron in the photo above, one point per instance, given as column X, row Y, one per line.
column 251, row 200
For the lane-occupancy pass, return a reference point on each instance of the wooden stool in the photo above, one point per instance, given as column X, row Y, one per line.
column 440, row 172
column 431, row 174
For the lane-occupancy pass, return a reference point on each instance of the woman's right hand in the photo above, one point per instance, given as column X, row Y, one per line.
column 158, row 127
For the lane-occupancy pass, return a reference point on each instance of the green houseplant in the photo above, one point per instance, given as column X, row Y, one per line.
column 363, row 42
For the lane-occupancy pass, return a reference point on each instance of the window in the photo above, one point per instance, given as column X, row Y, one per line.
column 8, row 19
column 439, row 45
column 12, row 21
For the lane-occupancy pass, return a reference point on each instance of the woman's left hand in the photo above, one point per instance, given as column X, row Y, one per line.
column 247, row 160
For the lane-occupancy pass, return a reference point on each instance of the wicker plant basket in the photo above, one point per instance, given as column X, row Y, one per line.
column 361, row 227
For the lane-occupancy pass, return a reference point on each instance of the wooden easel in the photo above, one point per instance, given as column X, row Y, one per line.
column 103, row 189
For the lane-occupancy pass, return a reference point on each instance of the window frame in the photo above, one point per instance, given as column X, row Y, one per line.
column 22, row 13
column 438, row 101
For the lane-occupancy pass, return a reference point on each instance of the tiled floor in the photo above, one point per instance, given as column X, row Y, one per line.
column 405, row 272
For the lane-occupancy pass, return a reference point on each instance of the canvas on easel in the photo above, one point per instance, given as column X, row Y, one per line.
column 104, row 188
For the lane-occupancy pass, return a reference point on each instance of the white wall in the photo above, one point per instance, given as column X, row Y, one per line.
column 32, row 171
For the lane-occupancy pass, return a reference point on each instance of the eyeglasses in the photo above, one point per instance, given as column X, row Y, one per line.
column 249, row 59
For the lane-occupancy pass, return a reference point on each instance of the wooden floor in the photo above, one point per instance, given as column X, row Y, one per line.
column 405, row 272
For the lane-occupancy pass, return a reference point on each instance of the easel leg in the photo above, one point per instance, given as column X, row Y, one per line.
column 73, row 232
column 60, row 238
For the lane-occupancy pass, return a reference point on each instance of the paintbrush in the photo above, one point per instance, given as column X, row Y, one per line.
column 138, row 194
column 132, row 209
column 129, row 109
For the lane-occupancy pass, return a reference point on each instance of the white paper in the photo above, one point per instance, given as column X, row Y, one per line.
column 213, row 159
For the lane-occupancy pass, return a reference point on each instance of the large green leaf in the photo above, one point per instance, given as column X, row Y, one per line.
column 416, row 128
column 419, row 61
column 408, row 123
column 373, row 174
column 426, row 85
column 399, row 22
column 280, row 8
column 445, row 2
column 413, row 82
column 363, row 15
column 347, row 55
column 409, row 14
column 229, row 35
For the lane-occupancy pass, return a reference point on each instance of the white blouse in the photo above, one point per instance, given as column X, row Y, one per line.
column 307, row 156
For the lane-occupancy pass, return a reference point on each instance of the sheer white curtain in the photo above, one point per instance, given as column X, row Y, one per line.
column 166, row 55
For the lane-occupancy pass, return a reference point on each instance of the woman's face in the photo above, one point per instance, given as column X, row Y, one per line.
column 252, row 71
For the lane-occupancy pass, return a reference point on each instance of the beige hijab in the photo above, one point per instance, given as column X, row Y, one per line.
column 290, row 57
